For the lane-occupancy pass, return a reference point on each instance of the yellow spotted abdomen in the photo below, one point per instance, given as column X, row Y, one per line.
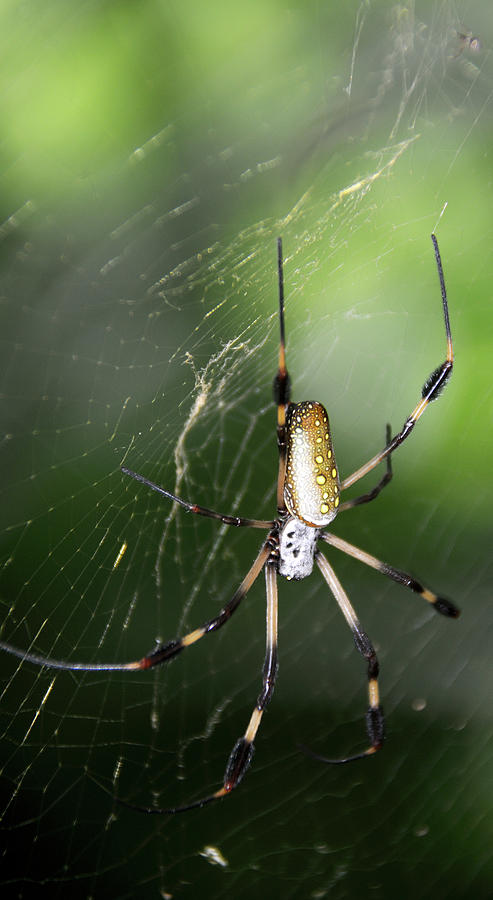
column 311, row 485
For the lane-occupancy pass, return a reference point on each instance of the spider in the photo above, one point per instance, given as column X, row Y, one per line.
column 308, row 500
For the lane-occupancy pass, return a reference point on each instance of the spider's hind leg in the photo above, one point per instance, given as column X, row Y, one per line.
column 432, row 388
column 384, row 481
column 281, row 388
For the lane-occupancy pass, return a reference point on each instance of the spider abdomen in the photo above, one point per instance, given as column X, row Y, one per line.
column 311, row 486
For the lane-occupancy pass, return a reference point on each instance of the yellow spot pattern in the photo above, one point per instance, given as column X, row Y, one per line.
column 311, row 484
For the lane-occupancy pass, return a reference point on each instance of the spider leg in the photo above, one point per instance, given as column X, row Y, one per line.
column 282, row 388
column 242, row 752
column 200, row 510
column 164, row 652
column 386, row 478
column 374, row 715
column 440, row 604
column 431, row 389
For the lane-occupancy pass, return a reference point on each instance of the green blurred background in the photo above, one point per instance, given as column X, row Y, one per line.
column 151, row 153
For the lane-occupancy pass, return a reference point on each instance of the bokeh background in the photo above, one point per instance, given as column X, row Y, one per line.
column 151, row 154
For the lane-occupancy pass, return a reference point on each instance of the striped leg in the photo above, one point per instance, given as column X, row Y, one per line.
column 431, row 389
column 374, row 715
column 282, row 388
column 166, row 651
column 242, row 752
column 440, row 604
column 367, row 498
column 199, row 510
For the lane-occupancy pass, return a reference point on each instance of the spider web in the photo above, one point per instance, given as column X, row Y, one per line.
column 151, row 156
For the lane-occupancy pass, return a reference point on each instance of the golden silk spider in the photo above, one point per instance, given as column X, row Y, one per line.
column 308, row 499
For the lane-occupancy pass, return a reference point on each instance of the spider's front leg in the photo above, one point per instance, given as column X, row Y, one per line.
column 242, row 752
column 241, row 755
column 375, row 725
column 439, row 604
